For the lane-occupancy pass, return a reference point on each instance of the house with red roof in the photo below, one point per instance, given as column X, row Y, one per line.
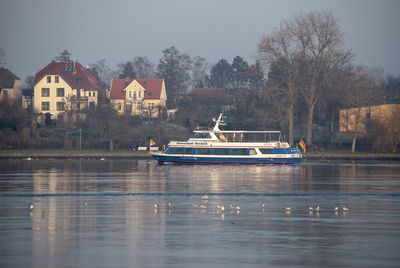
column 62, row 86
column 138, row 96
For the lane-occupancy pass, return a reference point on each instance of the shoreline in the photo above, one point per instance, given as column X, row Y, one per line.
column 61, row 154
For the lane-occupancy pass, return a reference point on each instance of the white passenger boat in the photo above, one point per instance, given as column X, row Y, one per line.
column 230, row 146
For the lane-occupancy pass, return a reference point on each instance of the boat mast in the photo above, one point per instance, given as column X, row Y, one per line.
column 219, row 120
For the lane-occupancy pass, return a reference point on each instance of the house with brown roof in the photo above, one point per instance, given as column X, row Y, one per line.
column 62, row 86
column 10, row 85
column 211, row 96
column 138, row 96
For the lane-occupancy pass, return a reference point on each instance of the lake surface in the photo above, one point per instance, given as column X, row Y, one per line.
column 93, row 213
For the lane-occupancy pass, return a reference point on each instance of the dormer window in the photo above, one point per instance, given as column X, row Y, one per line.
column 78, row 80
column 68, row 68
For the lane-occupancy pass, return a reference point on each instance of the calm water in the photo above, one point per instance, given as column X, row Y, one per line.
column 93, row 213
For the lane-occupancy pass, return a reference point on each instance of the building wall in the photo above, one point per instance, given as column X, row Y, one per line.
column 118, row 105
column 12, row 93
column 134, row 96
column 347, row 117
column 69, row 98
column 52, row 99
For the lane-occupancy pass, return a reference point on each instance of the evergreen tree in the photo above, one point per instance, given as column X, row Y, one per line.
column 221, row 74
column 127, row 70
column 255, row 75
column 239, row 72
column 64, row 56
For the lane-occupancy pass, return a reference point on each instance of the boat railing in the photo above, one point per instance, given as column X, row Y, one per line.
column 249, row 136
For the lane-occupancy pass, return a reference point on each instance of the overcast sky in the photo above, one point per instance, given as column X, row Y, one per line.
column 33, row 32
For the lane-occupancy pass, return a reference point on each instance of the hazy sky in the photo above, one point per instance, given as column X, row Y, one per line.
column 32, row 32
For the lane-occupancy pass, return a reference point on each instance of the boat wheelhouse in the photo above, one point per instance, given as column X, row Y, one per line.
column 230, row 146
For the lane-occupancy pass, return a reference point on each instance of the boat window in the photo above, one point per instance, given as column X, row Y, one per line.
column 252, row 151
column 188, row 150
column 240, row 151
column 221, row 151
column 170, row 150
column 175, row 150
column 179, row 150
column 203, row 151
column 266, row 151
column 201, row 136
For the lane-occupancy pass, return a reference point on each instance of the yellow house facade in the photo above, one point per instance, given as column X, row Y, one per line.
column 363, row 115
column 62, row 86
column 138, row 96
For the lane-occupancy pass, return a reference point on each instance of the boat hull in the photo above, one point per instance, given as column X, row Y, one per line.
column 160, row 157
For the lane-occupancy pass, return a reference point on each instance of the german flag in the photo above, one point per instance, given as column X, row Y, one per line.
column 302, row 144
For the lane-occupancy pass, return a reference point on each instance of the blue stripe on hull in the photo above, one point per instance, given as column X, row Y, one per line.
column 218, row 160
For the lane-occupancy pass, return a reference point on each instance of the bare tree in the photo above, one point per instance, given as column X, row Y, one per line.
column 2, row 55
column 362, row 91
column 199, row 72
column 144, row 67
column 321, row 43
column 280, row 48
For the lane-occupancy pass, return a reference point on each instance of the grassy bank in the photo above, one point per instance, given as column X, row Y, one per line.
column 126, row 154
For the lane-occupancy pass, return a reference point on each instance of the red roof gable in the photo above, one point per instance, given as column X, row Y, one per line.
column 153, row 88
column 72, row 72
column 210, row 96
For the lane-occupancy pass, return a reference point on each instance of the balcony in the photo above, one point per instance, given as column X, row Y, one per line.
column 81, row 99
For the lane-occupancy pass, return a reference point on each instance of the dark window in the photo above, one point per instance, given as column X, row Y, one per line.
column 94, row 94
column 78, row 80
column 188, row 150
column 45, row 106
column 170, row 150
column 221, row 151
column 149, row 93
column 201, row 136
column 60, row 92
column 68, row 68
column 60, row 106
column 48, row 79
column 45, row 92
column 266, row 151
column 90, row 94
column 240, row 151
column 56, row 79
column 203, row 151
column 179, row 150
